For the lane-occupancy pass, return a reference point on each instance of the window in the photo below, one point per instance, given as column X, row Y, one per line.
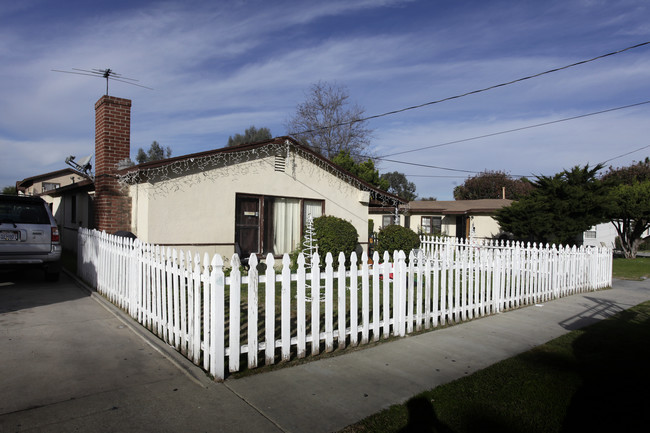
column 48, row 186
column 431, row 225
column 266, row 224
column 313, row 208
column 590, row 234
column 387, row 220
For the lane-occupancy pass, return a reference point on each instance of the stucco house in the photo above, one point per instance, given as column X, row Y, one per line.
column 70, row 214
column 42, row 184
column 458, row 218
column 253, row 198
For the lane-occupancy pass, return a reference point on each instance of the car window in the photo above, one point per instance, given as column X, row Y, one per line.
column 25, row 213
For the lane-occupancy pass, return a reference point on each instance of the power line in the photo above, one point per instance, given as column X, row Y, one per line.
column 431, row 166
column 473, row 92
column 609, row 110
column 434, row 175
column 625, row 154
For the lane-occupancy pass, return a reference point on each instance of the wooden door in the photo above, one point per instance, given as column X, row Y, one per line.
column 247, row 225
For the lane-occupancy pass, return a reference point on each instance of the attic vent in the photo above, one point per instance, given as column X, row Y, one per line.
column 280, row 163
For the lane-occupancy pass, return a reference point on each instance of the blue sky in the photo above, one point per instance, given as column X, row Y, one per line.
column 219, row 67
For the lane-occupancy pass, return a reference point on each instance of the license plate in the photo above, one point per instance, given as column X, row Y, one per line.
column 6, row 235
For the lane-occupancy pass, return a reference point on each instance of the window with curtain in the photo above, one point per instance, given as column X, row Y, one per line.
column 276, row 224
column 286, row 224
column 313, row 208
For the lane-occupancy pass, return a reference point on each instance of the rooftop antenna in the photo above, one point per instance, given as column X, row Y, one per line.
column 82, row 167
column 107, row 73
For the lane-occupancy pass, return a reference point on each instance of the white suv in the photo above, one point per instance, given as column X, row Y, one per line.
column 29, row 235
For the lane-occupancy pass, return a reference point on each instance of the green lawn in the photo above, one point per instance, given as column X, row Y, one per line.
column 594, row 379
column 632, row 269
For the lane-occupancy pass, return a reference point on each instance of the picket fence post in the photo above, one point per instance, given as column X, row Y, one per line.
column 285, row 299
column 234, row 308
column 253, row 282
column 216, row 285
column 315, row 305
column 181, row 297
column 269, row 310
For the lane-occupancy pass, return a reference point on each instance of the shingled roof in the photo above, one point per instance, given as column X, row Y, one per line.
column 457, row 207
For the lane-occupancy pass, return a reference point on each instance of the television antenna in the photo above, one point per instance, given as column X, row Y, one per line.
column 107, row 73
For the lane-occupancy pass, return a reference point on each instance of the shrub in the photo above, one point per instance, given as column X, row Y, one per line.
column 398, row 238
column 334, row 235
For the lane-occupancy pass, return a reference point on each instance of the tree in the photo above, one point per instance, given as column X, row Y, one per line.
column 251, row 135
column 155, row 153
column 559, row 208
column 628, row 204
column 629, row 211
column 363, row 170
column 639, row 172
column 399, row 185
column 490, row 184
column 9, row 190
column 328, row 124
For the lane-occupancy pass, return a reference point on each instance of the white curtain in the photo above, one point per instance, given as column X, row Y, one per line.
column 286, row 225
column 315, row 208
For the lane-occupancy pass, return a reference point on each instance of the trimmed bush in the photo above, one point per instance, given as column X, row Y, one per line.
column 334, row 235
column 398, row 238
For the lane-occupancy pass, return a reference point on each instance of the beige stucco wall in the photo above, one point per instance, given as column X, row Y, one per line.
column 64, row 180
column 484, row 226
column 378, row 220
column 199, row 208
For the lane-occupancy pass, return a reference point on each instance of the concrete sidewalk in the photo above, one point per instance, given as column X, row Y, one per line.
column 72, row 362
column 329, row 394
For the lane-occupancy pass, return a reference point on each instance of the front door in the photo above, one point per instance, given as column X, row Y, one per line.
column 461, row 226
column 247, row 225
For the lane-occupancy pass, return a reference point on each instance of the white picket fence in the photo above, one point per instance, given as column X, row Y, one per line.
column 218, row 321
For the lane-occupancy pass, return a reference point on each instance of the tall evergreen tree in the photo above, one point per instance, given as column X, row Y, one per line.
column 251, row 135
column 559, row 208
column 155, row 153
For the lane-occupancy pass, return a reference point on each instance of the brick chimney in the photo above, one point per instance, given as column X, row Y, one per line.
column 112, row 145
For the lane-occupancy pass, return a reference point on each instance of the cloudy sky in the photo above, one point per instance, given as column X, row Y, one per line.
column 218, row 67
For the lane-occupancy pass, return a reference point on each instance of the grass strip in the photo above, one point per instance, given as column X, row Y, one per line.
column 631, row 269
column 594, row 379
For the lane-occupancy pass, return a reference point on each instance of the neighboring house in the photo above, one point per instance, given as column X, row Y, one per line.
column 253, row 198
column 604, row 234
column 458, row 218
column 44, row 184
column 50, row 187
column 74, row 210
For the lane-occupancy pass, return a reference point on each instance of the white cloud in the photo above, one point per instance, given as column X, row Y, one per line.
column 219, row 68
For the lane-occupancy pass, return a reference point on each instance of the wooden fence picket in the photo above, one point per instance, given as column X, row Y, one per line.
column 189, row 302
column 252, row 305
column 269, row 311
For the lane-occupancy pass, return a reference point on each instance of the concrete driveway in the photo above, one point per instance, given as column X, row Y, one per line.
column 70, row 364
